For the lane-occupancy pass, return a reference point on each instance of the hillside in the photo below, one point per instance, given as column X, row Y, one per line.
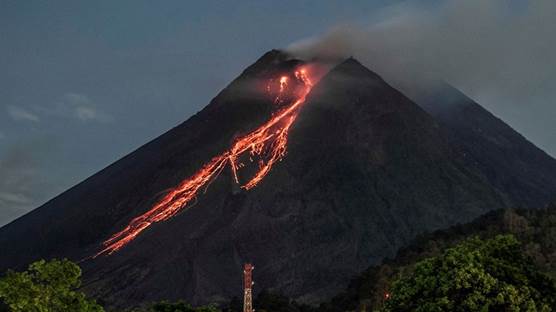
column 510, row 162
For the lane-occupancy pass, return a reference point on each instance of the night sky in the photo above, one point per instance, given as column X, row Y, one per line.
column 86, row 82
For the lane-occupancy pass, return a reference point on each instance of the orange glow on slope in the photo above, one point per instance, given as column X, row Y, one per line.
column 268, row 142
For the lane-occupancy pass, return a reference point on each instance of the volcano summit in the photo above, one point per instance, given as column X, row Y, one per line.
column 311, row 174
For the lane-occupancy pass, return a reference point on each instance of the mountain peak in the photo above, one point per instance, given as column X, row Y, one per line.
column 274, row 55
column 353, row 68
column 271, row 59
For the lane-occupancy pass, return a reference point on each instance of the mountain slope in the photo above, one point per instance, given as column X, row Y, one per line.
column 510, row 162
column 366, row 170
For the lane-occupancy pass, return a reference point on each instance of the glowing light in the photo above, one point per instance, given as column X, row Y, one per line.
column 268, row 143
column 283, row 84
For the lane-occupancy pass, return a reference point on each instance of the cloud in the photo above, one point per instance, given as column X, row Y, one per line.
column 70, row 106
column 499, row 52
column 15, row 198
column 80, row 107
column 20, row 114
column 31, row 169
column 2, row 135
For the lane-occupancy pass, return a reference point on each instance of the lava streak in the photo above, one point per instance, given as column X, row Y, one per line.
column 268, row 143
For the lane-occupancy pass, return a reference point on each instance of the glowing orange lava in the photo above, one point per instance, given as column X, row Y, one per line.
column 268, row 143
column 283, row 85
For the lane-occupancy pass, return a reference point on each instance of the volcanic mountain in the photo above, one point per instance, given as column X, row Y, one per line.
column 311, row 176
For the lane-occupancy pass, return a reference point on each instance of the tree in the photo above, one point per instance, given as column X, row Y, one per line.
column 46, row 287
column 268, row 301
column 3, row 307
column 180, row 306
column 235, row 305
column 476, row 275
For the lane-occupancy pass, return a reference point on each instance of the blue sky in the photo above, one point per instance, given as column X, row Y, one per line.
column 86, row 82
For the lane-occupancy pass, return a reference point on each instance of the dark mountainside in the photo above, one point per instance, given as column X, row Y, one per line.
column 510, row 162
column 366, row 171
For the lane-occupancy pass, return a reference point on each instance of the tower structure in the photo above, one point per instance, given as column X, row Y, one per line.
column 248, row 287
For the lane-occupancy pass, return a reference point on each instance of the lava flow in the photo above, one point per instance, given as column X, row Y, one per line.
column 268, row 142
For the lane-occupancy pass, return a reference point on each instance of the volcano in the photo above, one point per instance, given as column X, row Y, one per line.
column 310, row 173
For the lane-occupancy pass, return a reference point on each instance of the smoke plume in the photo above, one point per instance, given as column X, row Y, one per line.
column 499, row 52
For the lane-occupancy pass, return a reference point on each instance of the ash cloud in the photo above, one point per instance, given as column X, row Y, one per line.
column 80, row 107
column 500, row 52
column 74, row 106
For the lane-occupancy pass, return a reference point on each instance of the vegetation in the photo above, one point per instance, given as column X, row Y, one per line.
column 179, row 307
column 475, row 275
column 267, row 301
column 46, row 287
column 535, row 229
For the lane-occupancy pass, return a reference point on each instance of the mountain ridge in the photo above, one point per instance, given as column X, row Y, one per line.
column 509, row 160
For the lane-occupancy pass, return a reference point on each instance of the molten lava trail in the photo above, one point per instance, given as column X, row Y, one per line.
column 268, row 142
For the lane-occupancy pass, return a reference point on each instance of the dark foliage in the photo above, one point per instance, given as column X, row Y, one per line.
column 535, row 229
column 45, row 286
column 3, row 306
column 180, row 307
column 267, row 301
column 475, row 275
